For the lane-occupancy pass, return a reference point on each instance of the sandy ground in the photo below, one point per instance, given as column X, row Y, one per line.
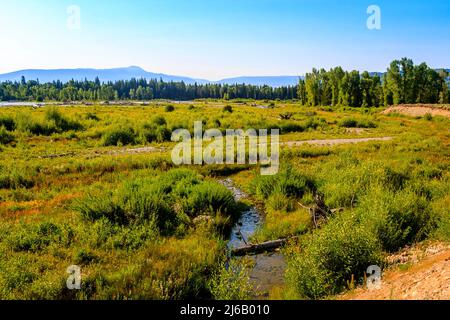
column 425, row 275
column 419, row 110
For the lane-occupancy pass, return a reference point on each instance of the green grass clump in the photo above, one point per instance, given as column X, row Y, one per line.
column 228, row 109
column 37, row 237
column 16, row 177
column 398, row 218
column 333, row 257
column 209, row 197
column 119, row 135
column 155, row 132
column 60, row 122
column 169, row 108
column 54, row 122
column 288, row 182
column 231, row 282
column 357, row 123
column 5, row 136
column 7, row 122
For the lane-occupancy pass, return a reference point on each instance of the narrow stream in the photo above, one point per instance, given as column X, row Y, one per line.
column 268, row 270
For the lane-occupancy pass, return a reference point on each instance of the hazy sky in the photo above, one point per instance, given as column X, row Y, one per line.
column 221, row 38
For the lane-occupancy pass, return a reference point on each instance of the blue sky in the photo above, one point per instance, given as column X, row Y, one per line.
column 222, row 38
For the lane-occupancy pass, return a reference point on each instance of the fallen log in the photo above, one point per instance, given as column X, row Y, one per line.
column 261, row 247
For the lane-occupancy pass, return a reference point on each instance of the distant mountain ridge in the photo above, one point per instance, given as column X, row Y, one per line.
column 116, row 74
column 105, row 75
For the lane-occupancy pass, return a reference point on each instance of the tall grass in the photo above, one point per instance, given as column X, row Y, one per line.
column 170, row 201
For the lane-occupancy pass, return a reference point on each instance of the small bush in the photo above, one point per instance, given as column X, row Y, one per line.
column 54, row 122
column 399, row 218
column 60, row 122
column 332, row 257
column 228, row 109
column 8, row 123
column 353, row 123
column 231, row 282
column 35, row 238
column 159, row 121
column 154, row 133
column 289, row 127
column 5, row 136
column 119, row 135
column 16, row 178
column 169, row 108
column 91, row 116
column 288, row 182
column 84, row 257
column 97, row 205
column 280, row 202
column 209, row 198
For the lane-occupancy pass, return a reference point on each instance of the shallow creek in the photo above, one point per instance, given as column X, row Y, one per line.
column 268, row 268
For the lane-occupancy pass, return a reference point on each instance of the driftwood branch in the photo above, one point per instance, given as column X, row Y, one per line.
column 261, row 247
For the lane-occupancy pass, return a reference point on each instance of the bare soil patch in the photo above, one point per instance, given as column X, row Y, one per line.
column 425, row 275
column 420, row 110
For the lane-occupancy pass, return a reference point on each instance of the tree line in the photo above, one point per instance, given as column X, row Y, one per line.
column 403, row 82
column 136, row 89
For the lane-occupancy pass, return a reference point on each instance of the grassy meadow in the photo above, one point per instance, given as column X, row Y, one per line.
column 74, row 191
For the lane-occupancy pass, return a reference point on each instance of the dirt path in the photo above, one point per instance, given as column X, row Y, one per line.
column 149, row 149
column 425, row 279
column 418, row 110
column 332, row 142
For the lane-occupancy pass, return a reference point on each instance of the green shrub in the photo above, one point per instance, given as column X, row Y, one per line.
column 399, row 218
column 91, row 116
column 280, row 202
column 35, row 238
column 8, row 123
column 5, row 136
column 159, row 121
column 119, row 135
column 16, row 178
column 98, row 205
column 231, row 282
column 353, row 123
column 290, row 127
column 143, row 201
column 209, row 198
column 288, row 182
column 61, row 123
column 54, row 122
column 154, row 133
column 332, row 257
column 84, row 257
column 228, row 109
column 169, row 108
